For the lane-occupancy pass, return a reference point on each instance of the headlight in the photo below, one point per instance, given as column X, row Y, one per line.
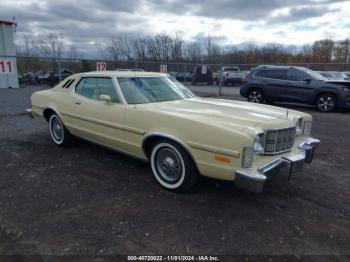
column 258, row 147
column 307, row 128
column 248, row 153
column 346, row 89
column 299, row 126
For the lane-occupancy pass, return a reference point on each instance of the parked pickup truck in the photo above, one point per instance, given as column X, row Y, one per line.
column 231, row 75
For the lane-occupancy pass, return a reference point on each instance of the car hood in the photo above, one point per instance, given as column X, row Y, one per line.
column 339, row 82
column 229, row 114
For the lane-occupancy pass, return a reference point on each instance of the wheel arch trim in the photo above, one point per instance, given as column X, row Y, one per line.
column 53, row 109
column 170, row 137
column 163, row 135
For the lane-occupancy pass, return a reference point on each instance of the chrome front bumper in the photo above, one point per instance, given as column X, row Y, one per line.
column 286, row 166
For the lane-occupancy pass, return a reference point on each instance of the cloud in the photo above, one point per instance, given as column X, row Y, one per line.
column 227, row 21
column 252, row 10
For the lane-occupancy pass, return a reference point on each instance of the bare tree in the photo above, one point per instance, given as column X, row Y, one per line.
column 194, row 52
column 342, row 51
column 208, row 45
column 163, row 43
column 323, row 50
column 111, row 50
column 126, row 47
column 176, row 49
column 153, row 49
column 30, row 50
column 73, row 53
column 140, row 48
column 30, row 46
column 52, row 46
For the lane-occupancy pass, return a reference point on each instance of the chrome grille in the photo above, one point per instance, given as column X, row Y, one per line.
column 279, row 140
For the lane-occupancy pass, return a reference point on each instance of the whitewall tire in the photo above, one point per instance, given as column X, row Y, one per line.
column 59, row 134
column 172, row 166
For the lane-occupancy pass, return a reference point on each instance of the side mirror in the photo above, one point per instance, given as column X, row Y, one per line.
column 307, row 80
column 107, row 99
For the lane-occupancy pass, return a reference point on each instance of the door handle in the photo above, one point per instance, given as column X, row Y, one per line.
column 77, row 102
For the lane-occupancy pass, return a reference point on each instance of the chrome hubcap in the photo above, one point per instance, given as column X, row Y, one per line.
column 326, row 103
column 57, row 129
column 168, row 165
column 254, row 97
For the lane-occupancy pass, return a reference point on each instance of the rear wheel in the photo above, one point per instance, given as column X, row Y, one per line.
column 59, row 134
column 326, row 103
column 172, row 166
column 256, row 96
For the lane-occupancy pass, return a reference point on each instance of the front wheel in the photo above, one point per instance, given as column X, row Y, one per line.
column 172, row 166
column 255, row 96
column 326, row 103
column 59, row 134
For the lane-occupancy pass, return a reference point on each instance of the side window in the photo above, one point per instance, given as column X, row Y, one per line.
column 273, row 74
column 94, row 87
column 87, row 87
column 261, row 73
column 296, row 75
column 105, row 87
column 79, row 86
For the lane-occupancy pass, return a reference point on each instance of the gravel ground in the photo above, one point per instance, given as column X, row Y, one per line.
column 93, row 203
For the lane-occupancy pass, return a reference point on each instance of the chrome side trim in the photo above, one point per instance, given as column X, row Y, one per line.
column 115, row 149
column 214, row 149
column 104, row 123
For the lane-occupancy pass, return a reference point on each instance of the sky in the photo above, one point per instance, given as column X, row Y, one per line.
column 86, row 23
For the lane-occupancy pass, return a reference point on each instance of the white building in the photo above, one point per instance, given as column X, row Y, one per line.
column 8, row 62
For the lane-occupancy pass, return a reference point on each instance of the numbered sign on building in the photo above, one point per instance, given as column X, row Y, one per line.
column 204, row 69
column 6, row 66
column 101, row 66
column 164, row 69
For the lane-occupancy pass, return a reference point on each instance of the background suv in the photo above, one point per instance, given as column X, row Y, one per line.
column 198, row 77
column 295, row 84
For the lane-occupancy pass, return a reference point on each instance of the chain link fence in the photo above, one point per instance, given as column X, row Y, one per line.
column 39, row 70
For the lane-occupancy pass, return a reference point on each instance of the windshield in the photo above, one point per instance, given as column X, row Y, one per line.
column 315, row 75
column 142, row 90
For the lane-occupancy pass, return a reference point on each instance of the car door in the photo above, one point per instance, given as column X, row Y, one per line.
column 96, row 120
column 299, row 87
column 274, row 80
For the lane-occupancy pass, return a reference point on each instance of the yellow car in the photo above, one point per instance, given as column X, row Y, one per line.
column 152, row 117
